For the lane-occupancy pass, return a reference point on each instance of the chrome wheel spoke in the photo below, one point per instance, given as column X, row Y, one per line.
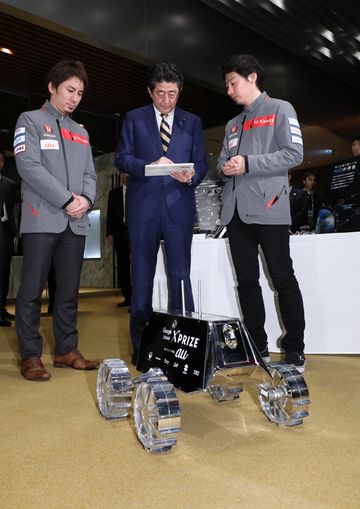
column 285, row 400
column 156, row 414
column 114, row 389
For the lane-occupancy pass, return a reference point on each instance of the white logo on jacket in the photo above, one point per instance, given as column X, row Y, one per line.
column 49, row 144
column 233, row 143
column 293, row 121
column 19, row 130
column 19, row 139
column 19, row 148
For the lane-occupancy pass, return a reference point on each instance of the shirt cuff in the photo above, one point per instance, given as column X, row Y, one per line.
column 246, row 159
column 68, row 202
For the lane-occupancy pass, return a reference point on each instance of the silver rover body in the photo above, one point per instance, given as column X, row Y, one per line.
column 195, row 352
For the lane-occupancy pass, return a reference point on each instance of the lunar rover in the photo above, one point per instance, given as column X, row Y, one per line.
column 195, row 352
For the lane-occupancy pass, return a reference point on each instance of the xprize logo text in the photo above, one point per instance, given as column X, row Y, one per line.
column 175, row 336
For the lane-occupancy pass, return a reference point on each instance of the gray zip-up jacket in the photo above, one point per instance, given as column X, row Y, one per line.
column 268, row 134
column 53, row 158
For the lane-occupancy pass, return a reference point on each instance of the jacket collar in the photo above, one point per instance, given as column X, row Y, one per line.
column 47, row 106
column 179, row 117
column 255, row 104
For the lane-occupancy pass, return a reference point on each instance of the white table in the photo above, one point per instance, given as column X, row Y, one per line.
column 327, row 268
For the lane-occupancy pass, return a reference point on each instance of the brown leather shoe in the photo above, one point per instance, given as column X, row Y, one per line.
column 74, row 360
column 33, row 369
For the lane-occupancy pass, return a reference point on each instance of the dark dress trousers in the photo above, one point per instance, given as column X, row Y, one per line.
column 159, row 208
column 116, row 227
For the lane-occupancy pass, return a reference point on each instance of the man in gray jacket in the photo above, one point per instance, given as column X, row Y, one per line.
column 260, row 146
column 54, row 160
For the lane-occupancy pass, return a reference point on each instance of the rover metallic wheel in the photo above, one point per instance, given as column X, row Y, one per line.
column 285, row 400
column 157, row 414
column 114, row 389
column 224, row 392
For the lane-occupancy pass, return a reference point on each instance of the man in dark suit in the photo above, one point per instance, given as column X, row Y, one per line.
column 117, row 235
column 160, row 207
column 313, row 198
column 7, row 233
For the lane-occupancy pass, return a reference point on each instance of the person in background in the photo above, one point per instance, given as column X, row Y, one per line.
column 298, row 206
column 58, row 181
column 117, row 235
column 7, row 234
column 160, row 207
column 355, row 146
column 313, row 199
column 260, row 146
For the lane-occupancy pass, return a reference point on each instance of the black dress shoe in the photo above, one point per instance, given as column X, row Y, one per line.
column 4, row 323
column 123, row 304
column 6, row 315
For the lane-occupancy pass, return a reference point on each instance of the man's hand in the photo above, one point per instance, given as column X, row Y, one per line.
column 163, row 160
column 234, row 167
column 110, row 240
column 182, row 176
column 78, row 207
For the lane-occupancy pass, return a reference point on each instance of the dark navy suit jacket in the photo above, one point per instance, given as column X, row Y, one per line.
column 140, row 144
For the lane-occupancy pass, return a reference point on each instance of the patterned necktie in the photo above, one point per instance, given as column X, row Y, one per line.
column 165, row 133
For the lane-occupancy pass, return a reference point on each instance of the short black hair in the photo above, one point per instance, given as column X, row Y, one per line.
column 356, row 137
column 66, row 69
column 164, row 71
column 308, row 173
column 245, row 65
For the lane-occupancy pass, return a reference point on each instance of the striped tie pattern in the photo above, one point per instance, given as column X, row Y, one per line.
column 165, row 133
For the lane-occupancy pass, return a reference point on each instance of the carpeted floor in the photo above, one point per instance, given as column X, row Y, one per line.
column 57, row 452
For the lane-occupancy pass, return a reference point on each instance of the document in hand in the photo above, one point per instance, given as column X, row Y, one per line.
column 158, row 170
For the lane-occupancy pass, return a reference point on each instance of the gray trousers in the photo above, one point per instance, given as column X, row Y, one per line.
column 65, row 250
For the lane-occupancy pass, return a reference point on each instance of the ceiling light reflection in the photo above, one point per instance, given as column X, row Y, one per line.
column 279, row 3
column 328, row 35
column 8, row 51
column 325, row 51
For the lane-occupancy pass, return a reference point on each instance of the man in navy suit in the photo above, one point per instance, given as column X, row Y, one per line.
column 160, row 207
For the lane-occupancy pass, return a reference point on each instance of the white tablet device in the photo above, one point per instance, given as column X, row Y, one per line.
column 158, row 170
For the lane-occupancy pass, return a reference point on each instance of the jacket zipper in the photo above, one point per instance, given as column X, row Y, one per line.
column 65, row 159
column 275, row 198
column 240, row 138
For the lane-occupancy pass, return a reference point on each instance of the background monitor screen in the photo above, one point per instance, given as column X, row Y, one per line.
column 340, row 210
column 92, row 244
